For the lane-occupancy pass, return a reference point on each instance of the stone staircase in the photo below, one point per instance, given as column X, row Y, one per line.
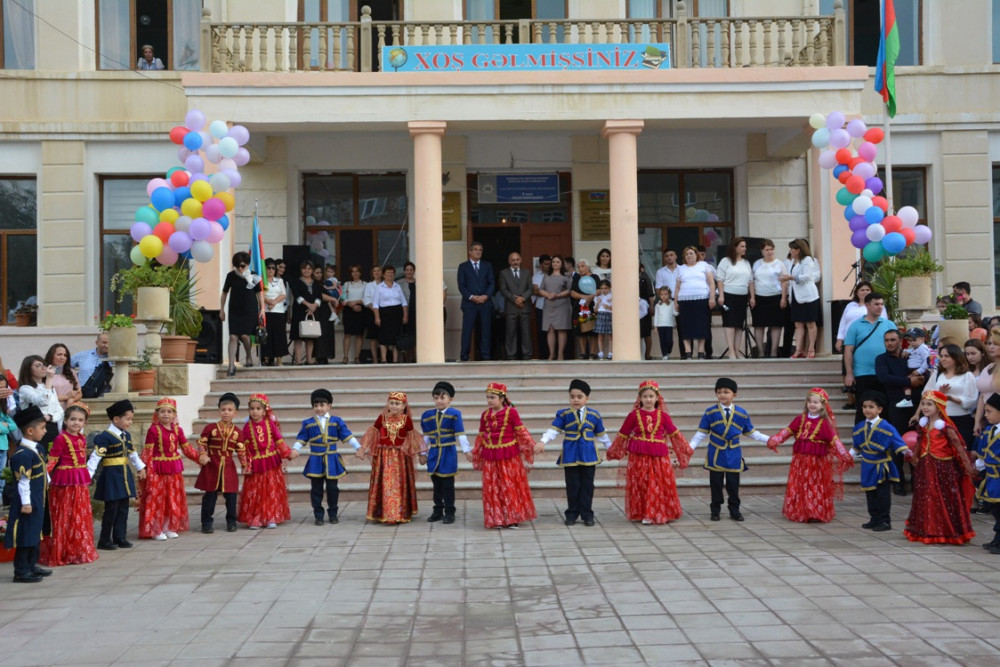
column 773, row 391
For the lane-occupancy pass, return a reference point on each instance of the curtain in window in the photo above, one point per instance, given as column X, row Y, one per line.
column 187, row 34
column 115, row 34
column 642, row 9
column 713, row 8
column 479, row 10
column 19, row 35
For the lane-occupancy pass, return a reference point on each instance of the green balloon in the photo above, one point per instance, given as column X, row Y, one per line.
column 172, row 170
column 845, row 198
column 137, row 257
column 148, row 215
column 873, row 252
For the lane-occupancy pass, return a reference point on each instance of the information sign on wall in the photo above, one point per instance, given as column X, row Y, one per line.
column 525, row 57
column 595, row 215
column 518, row 188
column 451, row 216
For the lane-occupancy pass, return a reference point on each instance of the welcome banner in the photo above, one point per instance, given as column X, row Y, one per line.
column 524, row 57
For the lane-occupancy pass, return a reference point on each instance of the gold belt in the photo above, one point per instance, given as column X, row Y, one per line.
column 116, row 461
column 501, row 445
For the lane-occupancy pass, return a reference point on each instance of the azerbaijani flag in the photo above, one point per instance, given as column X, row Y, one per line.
column 257, row 253
column 888, row 51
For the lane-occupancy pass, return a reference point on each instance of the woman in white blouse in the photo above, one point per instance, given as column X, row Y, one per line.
column 35, row 388
column 770, row 297
column 804, row 274
column 953, row 379
column 353, row 296
column 734, row 278
column 275, row 309
column 694, row 298
column 391, row 313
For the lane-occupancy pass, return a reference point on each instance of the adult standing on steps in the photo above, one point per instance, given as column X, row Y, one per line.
column 476, row 283
column 516, row 287
column 804, row 274
column 734, row 278
column 246, row 306
column 862, row 344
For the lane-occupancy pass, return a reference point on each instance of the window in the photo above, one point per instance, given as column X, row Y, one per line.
column 17, row 29
column 513, row 10
column 356, row 219
column 171, row 27
column 863, row 18
column 665, row 9
column 18, row 245
column 996, row 31
column 120, row 198
column 909, row 188
column 996, row 234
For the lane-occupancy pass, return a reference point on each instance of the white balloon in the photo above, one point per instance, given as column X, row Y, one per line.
column 202, row 251
column 227, row 163
column 218, row 129
column 909, row 216
column 182, row 224
column 875, row 232
column 861, row 204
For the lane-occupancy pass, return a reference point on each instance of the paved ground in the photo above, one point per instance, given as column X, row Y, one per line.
column 763, row 592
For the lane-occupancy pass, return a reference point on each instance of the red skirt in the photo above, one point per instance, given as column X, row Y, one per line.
column 809, row 494
column 942, row 494
column 264, row 499
column 162, row 504
column 72, row 540
column 506, row 495
column 651, row 490
column 392, row 490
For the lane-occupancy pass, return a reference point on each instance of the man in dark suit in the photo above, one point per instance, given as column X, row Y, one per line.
column 477, row 284
column 895, row 378
column 515, row 286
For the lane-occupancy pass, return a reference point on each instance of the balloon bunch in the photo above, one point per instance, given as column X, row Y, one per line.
column 850, row 150
column 186, row 215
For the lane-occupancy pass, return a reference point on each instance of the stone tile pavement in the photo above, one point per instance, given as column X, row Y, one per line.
column 765, row 592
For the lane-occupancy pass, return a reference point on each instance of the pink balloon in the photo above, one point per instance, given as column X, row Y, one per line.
column 200, row 229
column 213, row 209
column 868, row 151
column 168, row 256
column 156, row 183
column 910, row 438
column 180, row 241
column 922, row 234
column 215, row 233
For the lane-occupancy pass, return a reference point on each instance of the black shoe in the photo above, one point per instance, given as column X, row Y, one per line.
column 124, row 544
column 995, row 549
column 32, row 578
column 436, row 515
column 701, row 355
column 899, row 489
column 868, row 526
column 685, row 355
column 882, row 527
column 735, row 516
column 107, row 546
column 230, row 526
column 570, row 522
column 588, row 522
column 319, row 522
column 987, row 545
column 231, row 372
column 332, row 520
column 42, row 571
column 449, row 518
column 715, row 516
column 207, row 529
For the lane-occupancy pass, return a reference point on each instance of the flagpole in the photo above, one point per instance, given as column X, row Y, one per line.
column 888, row 161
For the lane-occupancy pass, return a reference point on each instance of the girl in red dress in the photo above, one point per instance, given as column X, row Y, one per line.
column 650, row 487
column 942, row 479
column 163, row 511
column 264, row 501
column 392, row 443
column 72, row 540
column 816, row 453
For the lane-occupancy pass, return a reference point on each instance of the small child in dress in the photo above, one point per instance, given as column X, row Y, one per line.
column 264, row 501
column 582, row 429
column 602, row 304
column 332, row 288
column 443, row 433
column 324, row 466
column 917, row 357
column 26, row 519
column 163, row 511
column 664, row 321
column 723, row 424
column 115, row 484
column 72, row 540
column 217, row 445
column 988, row 464
column 876, row 441
column 392, row 442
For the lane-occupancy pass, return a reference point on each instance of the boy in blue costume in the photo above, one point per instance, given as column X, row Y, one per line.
column 115, row 484
column 582, row 428
column 988, row 464
column 723, row 424
column 26, row 520
column 443, row 431
column 876, row 441
column 324, row 465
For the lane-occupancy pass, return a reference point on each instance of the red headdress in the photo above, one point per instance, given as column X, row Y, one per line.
column 643, row 386
column 825, row 398
column 80, row 405
column 266, row 402
column 941, row 400
column 401, row 397
column 500, row 390
column 164, row 402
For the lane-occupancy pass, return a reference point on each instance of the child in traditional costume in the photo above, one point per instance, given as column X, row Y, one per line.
column 988, row 465
column 443, row 433
column 163, row 511
column 876, row 441
column 264, row 501
column 650, row 487
column 723, row 424
column 392, row 443
column 502, row 444
column 217, row 445
column 115, row 484
column 26, row 519
column 816, row 454
column 72, row 540
column 582, row 428
column 942, row 479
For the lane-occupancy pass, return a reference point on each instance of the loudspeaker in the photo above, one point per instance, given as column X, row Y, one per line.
column 209, row 349
column 294, row 255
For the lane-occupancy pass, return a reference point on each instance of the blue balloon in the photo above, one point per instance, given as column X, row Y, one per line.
column 839, row 169
column 849, row 213
column 162, row 199
column 185, row 255
column 893, row 242
column 180, row 194
column 224, row 221
column 192, row 141
column 588, row 285
column 874, row 215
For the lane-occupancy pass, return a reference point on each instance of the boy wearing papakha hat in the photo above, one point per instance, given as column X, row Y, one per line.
column 216, row 447
column 114, row 483
column 26, row 519
column 324, row 466
column 723, row 424
column 582, row 428
column 444, row 432
column 875, row 441
column 988, row 464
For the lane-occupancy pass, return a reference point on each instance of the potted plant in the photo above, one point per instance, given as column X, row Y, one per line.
column 955, row 327
column 913, row 280
column 25, row 314
column 147, row 284
column 142, row 375
column 123, row 339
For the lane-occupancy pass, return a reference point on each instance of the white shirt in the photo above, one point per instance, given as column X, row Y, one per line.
column 766, row 277
column 853, row 312
column 600, row 274
column 603, row 303
column 536, row 280
column 963, row 387
column 275, row 289
column 44, row 399
column 692, row 280
column 663, row 315
column 386, row 296
column 369, row 294
column 805, row 275
column 736, row 278
column 353, row 291
column 23, row 482
column 666, row 277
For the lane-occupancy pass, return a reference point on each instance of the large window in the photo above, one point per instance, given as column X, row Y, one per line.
column 996, row 31
column 909, row 188
column 356, row 219
column 666, row 9
column 171, row 27
column 996, row 234
column 864, row 22
column 120, row 198
column 17, row 30
column 18, row 245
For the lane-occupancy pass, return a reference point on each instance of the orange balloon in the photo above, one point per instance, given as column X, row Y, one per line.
column 226, row 198
column 844, row 155
column 855, row 184
column 854, row 162
column 892, row 224
column 875, row 135
column 909, row 234
column 844, row 175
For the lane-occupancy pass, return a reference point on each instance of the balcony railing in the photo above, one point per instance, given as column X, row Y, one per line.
column 798, row 41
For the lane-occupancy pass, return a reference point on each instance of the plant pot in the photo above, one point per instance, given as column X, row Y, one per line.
column 22, row 319
column 173, row 348
column 953, row 331
column 123, row 342
column 192, row 348
column 915, row 293
column 153, row 303
column 142, row 381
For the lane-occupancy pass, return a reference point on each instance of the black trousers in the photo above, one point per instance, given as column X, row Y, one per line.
column 995, row 511
column 114, row 523
column 316, row 496
column 25, row 560
column 666, row 335
column 579, row 492
column 863, row 383
column 208, row 507
column 543, row 343
column 900, row 417
column 879, row 503
column 731, row 480
column 444, row 494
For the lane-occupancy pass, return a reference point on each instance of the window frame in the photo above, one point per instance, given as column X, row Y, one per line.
column 665, row 9
column 920, row 206
column 994, row 184
column 4, row 234
column 3, row 63
column 496, row 11
column 849, row 25
column 102, row 232
column 682, row 197
column 133, row 41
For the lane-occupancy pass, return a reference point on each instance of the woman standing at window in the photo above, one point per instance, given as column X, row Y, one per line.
column 694, row 299
column 804, row 274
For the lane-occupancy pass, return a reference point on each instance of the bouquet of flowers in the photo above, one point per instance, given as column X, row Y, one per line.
column 587, row 318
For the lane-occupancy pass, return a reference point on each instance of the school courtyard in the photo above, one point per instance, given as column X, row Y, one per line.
column 766, row 591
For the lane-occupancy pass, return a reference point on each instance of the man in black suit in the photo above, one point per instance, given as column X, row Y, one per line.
column 895, row 377
column 515, row 286
column 476, row 284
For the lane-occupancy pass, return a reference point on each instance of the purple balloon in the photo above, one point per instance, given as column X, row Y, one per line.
column 859, row 239
column 240, row 134
column 234, row 177
column 200, row 229
column 194, row 163
column 194, row 120
column 180, row 242
column 197, row 177
column 242, row 157
column 858, row 223
column 922, row 234
column 874, row 184
column 140, row 230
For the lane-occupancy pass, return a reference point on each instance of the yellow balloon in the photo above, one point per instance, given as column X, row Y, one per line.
column 201, row 190
column 169, row 215
column 150, row 246
column 191, row 207
column 228, row 199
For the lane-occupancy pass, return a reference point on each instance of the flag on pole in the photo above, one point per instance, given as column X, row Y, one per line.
column 257, row 253
column 888, row 51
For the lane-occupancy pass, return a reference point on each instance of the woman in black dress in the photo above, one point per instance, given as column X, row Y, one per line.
column 246, row 303
column 306, row 299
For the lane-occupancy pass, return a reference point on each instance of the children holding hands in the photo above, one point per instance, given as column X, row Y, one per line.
column 115, row 484
column 875, row 442
column 392, row 442
column 443, row 433
column 163, row 511
column 264, row 501
column 217, row 445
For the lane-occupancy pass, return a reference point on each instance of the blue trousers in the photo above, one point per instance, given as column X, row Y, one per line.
column 483, row 313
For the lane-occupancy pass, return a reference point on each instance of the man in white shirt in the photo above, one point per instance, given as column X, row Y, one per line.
column 666, row 276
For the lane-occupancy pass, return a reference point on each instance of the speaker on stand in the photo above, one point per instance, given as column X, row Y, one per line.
column 209, row 349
